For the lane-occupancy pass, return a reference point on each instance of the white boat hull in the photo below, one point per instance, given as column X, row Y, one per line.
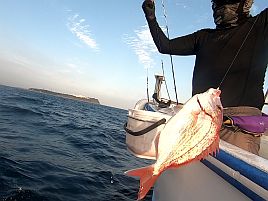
column 194, row 182
column 237, row 176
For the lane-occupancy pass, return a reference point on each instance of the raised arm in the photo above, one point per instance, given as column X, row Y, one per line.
column 185, row 45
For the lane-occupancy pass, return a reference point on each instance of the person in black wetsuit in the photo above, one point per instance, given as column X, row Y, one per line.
column 237, row 48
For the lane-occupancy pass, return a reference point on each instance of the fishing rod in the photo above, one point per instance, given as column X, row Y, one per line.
column 171, row 58
column 265, row 97
column 163, row 71
column 147, row 84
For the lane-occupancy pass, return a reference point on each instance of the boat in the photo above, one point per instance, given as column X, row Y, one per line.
column 232, row 174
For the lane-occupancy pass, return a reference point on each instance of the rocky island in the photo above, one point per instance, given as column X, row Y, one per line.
column 74, row 97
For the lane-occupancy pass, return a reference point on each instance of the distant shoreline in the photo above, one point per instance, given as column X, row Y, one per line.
column 84, row 99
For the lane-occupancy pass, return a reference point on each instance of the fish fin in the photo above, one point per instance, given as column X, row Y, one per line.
column 213, row 149
column 147, row 179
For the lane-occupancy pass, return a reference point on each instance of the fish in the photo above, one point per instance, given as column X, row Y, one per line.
column 190, row 135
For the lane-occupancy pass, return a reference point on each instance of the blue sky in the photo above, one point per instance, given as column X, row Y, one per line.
column 94, row 48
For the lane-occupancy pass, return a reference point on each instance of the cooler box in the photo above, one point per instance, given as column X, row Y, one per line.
column 141, row 131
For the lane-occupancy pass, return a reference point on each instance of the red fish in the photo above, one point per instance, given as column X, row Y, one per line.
column 191, row 134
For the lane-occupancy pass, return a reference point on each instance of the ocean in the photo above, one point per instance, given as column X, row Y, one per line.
column 58, row 149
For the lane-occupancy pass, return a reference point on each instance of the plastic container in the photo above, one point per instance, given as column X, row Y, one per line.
column 143, row 145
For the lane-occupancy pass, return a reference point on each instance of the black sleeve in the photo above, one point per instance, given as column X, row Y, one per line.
column 184, row 45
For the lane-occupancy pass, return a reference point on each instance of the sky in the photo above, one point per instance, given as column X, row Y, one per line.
column 98, row 49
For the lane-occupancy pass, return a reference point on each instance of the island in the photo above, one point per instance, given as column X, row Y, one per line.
column 74, row 97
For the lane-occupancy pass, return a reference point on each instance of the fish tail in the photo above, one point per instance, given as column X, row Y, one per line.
column 147, row 179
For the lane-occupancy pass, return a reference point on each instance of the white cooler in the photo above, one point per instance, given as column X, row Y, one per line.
column 142, row 129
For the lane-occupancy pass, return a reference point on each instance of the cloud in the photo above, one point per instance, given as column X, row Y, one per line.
column 181, row 4
column 143, row 46
column 80, row 29
column 21, row 60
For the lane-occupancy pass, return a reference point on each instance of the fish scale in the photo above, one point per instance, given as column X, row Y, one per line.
column 184, row 154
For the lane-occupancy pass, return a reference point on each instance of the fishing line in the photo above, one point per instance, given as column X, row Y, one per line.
column 171, row 58
column 229, row 68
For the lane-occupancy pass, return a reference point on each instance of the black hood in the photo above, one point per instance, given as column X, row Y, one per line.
column 230, row 13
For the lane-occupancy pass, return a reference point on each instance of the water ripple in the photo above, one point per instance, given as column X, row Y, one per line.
column 56, row 149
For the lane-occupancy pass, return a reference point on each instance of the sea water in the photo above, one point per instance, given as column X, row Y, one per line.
column 57, row 149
